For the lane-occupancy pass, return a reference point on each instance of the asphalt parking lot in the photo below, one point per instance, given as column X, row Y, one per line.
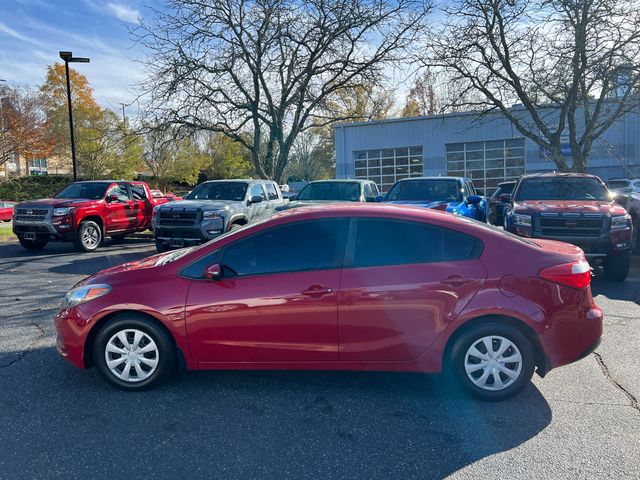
column 56, row 421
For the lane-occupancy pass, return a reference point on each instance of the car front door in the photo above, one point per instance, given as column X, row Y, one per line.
column 257, row 210
column 277, row 299
column 120, row 215
column 402, row 285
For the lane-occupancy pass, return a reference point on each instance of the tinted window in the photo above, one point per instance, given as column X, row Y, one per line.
column 121, row 191
column 425, row 190
column 197, row 268
column 562, row 188
column 506, row 188
column 234, row 191
column 138, row 192
column 89, row 190
column 392, row 242
column 616, row 184
column 310, row 245
column 271, row 191
column 368, row 191
column 344, row 191
column 257, row 191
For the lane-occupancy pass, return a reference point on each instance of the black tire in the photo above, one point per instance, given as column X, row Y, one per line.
column 164, row 353
column 234, row 226
column 88, row 237
column 161, row 247
column 616, row 266
column 32, row 244
column 471, row 338
column 6, row 221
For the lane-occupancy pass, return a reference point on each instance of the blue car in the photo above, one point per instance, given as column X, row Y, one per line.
column 456, row 195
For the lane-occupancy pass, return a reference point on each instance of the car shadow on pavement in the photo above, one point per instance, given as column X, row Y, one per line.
column 272, row 424
column 627, row 290
column 94, row 263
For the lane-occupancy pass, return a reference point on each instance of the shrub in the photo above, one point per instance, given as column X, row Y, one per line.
column 29, row 188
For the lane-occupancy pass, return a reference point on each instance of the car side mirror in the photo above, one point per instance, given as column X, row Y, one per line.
column 293, row 198
column 112, row 198
column 214, row 272
column 379, row 198
column 474, row 199
column 256, row 199
column 505, row 197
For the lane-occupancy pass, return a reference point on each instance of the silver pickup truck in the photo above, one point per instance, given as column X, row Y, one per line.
column 211, row 209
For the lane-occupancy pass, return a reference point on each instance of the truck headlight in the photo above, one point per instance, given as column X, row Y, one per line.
column 521, row 219
column 156, row 208
column 59, row 212
column 620, row 221
column 84, row 294
column 212, row 214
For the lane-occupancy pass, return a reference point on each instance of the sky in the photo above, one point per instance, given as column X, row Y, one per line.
column 32, row 32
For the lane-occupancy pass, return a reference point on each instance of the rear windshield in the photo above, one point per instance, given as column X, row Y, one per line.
column 343, row 191
column 426, row 190
column 234, row 191
column 562, row 188
column 498, row 230
column 89, row 190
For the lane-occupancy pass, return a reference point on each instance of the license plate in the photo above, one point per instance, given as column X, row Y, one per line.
column 177, row 243
column 29, row 236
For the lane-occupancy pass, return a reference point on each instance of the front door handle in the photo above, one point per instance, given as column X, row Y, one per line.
column 316, row 291
column 456, row 281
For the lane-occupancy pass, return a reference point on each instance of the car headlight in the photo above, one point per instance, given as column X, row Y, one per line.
column 620, row 221
column 84, row 294
column 521, row 219
column 58, row 212
column 212, row 214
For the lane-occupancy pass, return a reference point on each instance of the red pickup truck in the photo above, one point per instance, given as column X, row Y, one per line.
column 84, row 213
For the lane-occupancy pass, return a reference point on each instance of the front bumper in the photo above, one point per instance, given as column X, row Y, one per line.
column 184, row 236
column 72, row 328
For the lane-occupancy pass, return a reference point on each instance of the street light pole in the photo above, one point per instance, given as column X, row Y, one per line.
column 123, row 117
column 69, row 58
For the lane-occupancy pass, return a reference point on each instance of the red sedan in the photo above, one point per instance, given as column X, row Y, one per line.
column 349, row 287
column 6, row 211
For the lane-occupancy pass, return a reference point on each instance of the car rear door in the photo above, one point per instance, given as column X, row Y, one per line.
column 277, row 300
column 142, row 206
column 402, row 285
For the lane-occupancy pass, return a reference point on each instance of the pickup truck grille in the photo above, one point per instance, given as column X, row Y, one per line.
column 31, row 214
column 177, row 218
column 561, row 226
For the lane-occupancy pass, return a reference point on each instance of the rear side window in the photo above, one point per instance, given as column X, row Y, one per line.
column 295, row 247
column 256, row 191
column 392, row 242
column 138, row 192
column 272, row 193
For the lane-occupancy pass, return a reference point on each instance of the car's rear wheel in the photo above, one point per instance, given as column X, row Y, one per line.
column 133, row 353
column 493, row 361
column 32, row 244
column 616, row 267
column 88, row 237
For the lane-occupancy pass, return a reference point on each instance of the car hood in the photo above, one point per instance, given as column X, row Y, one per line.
column 568, row 206
column 58, row 202
column 200, row 204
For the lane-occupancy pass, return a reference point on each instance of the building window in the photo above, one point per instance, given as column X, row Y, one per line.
column 388, row 165
column 38, row 167
column 487, row 163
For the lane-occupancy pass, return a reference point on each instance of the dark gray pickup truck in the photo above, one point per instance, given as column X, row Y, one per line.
column 211, row 209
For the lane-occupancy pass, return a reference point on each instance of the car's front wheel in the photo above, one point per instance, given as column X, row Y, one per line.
column 133, row 353
column 616, row 267
column 493, row 361
column 88, row 237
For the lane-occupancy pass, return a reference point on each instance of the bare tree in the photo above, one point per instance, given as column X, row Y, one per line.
column 263, row 71
column 557, row 69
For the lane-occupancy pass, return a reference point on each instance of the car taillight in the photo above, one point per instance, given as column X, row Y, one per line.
column 574, row 274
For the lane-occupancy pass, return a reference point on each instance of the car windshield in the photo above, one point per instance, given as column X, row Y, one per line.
column 562, row 188
column 344, row 191
column 90, row 190
column 425, row 191
column 617, row 184
column 234, row 191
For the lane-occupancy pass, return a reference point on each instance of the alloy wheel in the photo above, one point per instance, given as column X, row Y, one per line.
column 90, row 236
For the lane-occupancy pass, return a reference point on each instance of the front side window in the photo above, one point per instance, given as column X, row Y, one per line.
column 234, row 191
column 119, row 190
column 561, row 188
column 339, row 191
column 426, row 191
column 382, row 242
column 88, row 190
column 296, row 247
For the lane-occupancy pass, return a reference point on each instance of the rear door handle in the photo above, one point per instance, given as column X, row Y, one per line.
column 316, row 291
column 456, row 281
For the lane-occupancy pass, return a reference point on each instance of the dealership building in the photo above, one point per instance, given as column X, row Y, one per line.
column 488, row 149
